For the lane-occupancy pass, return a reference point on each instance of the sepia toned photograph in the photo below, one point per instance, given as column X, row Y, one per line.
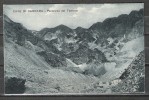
column 74, row 49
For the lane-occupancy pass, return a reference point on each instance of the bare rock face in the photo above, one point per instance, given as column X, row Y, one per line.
column 14, row 85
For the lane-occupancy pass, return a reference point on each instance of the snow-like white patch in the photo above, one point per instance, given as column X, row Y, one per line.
column 50, row 36
column 70, row 40
column 58, row 46
column 133, row 47
column 70, row 63
column 110, row 40
column 115, row 73
column 110, row 66
column 29, row 45
column 83, row 66
column 92, row 45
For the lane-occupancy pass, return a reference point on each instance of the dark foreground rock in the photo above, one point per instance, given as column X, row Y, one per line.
column 133, row 77
column 14, row 85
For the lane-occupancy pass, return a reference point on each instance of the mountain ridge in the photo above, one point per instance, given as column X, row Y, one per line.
column 62, row 42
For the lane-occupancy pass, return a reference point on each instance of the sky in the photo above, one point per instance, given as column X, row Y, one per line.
column 81, row 15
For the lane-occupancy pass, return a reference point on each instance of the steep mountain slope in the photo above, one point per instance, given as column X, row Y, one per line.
column 40, row 77
column 123, row 59
column 118, row 26
column 133, row 77
column 17, row 32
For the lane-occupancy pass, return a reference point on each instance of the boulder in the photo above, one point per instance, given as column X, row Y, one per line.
column 14, row 85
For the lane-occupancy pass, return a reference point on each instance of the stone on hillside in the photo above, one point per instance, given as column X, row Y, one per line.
column 14, row 85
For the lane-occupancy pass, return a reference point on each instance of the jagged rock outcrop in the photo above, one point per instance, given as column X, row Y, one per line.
column 52, row 59
column 85, row 55
column 132, row 79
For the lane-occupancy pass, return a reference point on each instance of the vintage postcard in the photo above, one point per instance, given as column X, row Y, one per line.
column 74, row 49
